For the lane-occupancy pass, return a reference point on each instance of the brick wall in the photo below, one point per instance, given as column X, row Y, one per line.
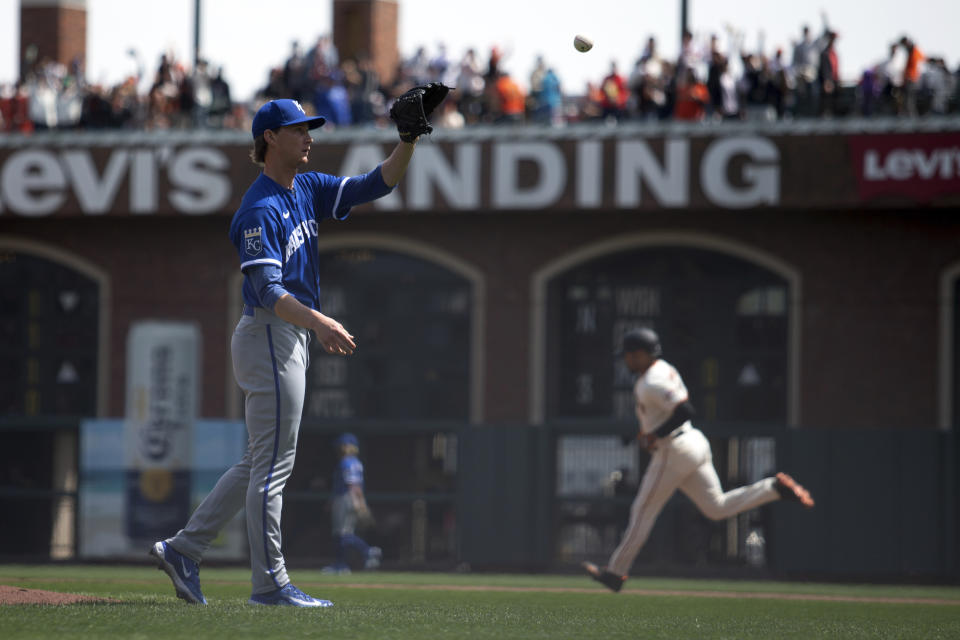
column 368, row 27
column 870, row 307
column 57, row 31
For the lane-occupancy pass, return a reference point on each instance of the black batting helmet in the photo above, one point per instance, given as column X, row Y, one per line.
column 641, row 339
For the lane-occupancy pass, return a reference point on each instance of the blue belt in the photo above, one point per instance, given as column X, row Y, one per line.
column 248, row 310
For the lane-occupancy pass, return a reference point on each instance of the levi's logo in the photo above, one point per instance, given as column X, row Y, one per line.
column 914, row 166
column 904, row 164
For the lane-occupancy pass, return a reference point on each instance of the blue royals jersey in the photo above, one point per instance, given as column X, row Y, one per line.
column 278, row 226
column 348, row 472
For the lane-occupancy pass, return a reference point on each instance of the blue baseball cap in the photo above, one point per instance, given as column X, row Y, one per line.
column 347, row 439
column 281, row 113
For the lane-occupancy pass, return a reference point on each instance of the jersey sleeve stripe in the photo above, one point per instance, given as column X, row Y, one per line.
column 250, row 263
column 336, row 203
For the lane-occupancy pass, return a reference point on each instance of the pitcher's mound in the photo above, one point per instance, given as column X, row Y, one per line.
column 19, row 595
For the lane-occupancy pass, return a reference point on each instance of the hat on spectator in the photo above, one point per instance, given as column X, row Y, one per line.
column 282, row 113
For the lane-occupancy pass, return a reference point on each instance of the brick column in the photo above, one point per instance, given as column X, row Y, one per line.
column 368, row 27
column 53, row 29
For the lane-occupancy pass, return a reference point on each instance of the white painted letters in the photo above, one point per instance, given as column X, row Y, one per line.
column 551, row 175
column 669, row 182
column 761, row 175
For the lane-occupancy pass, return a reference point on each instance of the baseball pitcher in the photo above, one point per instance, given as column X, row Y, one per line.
column 275, row 234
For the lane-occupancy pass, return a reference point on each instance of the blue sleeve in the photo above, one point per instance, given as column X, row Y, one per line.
column 353, row 472
column 267, row 281
column 258, row 238
column 334, row 196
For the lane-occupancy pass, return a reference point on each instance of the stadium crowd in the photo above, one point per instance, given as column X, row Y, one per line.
column 704, row 82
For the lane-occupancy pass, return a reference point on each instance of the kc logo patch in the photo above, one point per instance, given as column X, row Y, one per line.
column 251, row 241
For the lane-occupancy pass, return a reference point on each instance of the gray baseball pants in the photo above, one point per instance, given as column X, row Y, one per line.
column 270, row 358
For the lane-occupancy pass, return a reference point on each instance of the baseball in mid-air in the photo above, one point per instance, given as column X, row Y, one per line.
column 582, row 43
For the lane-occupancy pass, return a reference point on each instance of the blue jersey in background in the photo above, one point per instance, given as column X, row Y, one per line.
column 348, row 472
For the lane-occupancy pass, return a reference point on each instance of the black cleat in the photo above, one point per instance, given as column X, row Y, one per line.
column 607, row 578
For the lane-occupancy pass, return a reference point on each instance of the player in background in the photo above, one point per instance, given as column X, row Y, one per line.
column 681, row 459
column 349, row 509
column 275, row 234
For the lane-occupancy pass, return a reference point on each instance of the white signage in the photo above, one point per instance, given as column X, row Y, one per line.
column 37, row 182
column 731, row 172
column 162, row 382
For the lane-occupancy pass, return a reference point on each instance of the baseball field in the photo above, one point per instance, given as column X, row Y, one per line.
column 138, row 602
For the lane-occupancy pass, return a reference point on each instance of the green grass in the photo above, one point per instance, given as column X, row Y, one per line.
column 436, row 605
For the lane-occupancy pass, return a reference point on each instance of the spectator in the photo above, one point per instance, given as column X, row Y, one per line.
column 439, row 64
column 42, row 100
column 450, row 116
column 729, row 100
column 692, row 97
column 296, row 78
column 96, row 111
column 14, row 110
column 715, row 66
column 828, row 76
column 363, row 86
column 546, row 99
column 806, row 62
column 509, row 101
column 416, row 69
column 592, row 107
column 275, row 87
column 470, row 86
column 753, row 86
column 323, row 59
column 615, row 93
column 331, row 101
column 53, row 95
column 939, row 84
column 220, row 103
column 911, row 76
column 648, row 82
column 536, row 87
column 200, row 94
column 551, row 98
column 780, row 85
column 688, row 58
column 879, row 87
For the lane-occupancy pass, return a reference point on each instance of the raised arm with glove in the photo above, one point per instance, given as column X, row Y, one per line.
column 411, row 111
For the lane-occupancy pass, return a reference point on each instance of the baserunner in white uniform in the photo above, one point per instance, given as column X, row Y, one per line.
column 681, row 459
column 275, row 234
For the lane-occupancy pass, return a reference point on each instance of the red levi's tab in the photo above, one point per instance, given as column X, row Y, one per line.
column 918, row 167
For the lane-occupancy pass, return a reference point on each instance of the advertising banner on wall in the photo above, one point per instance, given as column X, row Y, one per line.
column 161, row 409
column 918, row 167
column 621, row 168
column 102, row 489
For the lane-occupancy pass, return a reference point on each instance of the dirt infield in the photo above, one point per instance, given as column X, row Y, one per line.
column 19, row 595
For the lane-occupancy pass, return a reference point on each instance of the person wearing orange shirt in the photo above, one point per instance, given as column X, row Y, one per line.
column 911, row 75
column 510, row 98
column 692, row 97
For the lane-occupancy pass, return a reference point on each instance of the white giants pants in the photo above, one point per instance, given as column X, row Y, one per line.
column 683, row 461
